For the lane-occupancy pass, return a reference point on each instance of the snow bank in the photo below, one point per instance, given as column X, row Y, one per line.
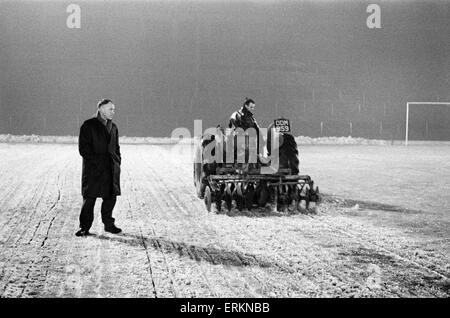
column 167, row 140
column 340, row 141
column 38, row 139
column 74, row 139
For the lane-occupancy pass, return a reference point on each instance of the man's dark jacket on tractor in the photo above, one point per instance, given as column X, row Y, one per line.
column 99, row 146
column 243, row 118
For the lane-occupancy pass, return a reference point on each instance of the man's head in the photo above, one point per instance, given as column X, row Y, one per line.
column 106, row 108
column 249, row 104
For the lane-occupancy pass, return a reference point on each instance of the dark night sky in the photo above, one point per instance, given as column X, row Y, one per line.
column 167, row 63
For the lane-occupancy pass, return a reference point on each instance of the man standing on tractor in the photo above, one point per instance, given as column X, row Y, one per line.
column 243, row 118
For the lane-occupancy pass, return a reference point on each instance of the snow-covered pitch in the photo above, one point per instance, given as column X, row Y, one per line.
column 382, row 230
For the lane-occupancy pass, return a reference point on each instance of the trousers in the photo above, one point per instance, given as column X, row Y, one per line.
column 87, row 212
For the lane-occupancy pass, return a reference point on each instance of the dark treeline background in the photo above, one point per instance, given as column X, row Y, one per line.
column 165, row 64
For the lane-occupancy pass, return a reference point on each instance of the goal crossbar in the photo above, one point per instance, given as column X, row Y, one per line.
column 407, row 114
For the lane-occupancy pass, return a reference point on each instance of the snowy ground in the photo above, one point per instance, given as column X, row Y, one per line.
column 167, row 140
column 383, row 229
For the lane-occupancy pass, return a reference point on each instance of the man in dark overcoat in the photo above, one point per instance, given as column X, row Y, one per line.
column 98, row 144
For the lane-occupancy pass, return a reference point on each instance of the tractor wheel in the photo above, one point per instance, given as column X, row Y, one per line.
column 297, row 205
column 291, row 194
column 289, row 150
column 195, row 174
column 208, row 199
column 197, row 163
column 228, row 201
column 240, row 203
column 228, row 197
column 200, row 187
column 239, row 197
column 263, row 196
column 280, row 199
column 319, row 198
column 296, row 197
column 250, row 197
column 218, row 200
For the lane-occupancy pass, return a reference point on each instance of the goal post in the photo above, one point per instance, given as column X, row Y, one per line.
column 407, row 114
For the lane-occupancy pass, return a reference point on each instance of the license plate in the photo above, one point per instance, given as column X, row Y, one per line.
column 282, row 125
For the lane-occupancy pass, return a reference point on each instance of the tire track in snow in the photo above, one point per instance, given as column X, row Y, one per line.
column 163, row 205
column 158, row 247
column 34, row 272
column 144, row 244
column 216, row 259
column 336, row 276
column 368, row 243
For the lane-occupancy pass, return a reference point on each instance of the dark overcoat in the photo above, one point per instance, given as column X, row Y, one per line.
column 101, row 159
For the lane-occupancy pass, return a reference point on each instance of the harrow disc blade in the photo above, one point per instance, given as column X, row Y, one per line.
column 228, row 201
column 263, row 196
column 249, row 198
column 238, row 197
